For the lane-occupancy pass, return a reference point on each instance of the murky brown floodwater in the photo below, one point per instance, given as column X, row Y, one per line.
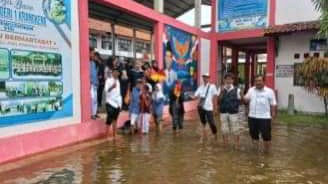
column 299, row 155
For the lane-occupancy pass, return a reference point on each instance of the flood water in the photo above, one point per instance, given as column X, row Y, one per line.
column 299, row 155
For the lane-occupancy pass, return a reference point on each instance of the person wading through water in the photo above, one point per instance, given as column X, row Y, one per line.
column 113, row 101
column 262, row 109
column 207, row 94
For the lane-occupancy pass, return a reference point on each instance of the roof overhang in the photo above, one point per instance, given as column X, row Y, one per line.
column 292, row 28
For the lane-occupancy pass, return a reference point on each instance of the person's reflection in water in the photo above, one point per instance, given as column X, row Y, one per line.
column 144, row 146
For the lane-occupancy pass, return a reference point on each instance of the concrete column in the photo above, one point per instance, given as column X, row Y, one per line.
column 247, row 70
column 198, row 13
column 85, row 63
column 113, row 41
column 270, row 69
column 158, row 44
column 213, row 16
column 134, row 44
column 253, row 68
column 213, row 61
column 220, row 62
column 159, row 6
column 234, row 61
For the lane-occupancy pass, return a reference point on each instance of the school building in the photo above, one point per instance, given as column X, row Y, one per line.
column 247, row 37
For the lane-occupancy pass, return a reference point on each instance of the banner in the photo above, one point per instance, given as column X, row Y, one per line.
column 35, row 61
column 181, row 59
column 242, row 14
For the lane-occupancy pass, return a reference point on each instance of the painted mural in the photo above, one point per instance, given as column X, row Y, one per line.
column 181, row 59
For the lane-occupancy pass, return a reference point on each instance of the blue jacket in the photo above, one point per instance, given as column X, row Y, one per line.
column 94, row 74
column 135, row 101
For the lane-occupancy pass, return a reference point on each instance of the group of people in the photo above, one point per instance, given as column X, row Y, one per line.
column 226, row 100
column 146, row 101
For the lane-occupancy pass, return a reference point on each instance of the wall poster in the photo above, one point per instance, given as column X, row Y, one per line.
column 35, row 61
column 181, row 59
column 284, row 71
column 241, row 14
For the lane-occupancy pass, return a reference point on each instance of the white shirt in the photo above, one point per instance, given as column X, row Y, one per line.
column 212, row 92
column 231, row 88
column 260, row 102
column 114, row 97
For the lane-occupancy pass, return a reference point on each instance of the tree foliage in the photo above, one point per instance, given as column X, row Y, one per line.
column 314, row 72
column 322, row 6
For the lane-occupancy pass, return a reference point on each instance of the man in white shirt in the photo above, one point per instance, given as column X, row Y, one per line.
column 229, row 100
column 113, row 100
column 262, row 109
column 207, row 95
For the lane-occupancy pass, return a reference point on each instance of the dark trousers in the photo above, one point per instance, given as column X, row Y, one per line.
column 207, row 117
column 177, row 120
column 177, row 116
column 100, row 94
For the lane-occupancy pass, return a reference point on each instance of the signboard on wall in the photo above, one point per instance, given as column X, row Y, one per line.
column 284, row 71
column 35, row 61
column 241, row 14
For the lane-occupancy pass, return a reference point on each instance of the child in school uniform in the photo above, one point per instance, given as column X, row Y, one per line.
column 158, row 105
column 145, row 109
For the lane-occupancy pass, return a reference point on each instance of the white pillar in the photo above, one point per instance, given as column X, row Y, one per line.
column 198, row 13
column 159, row 5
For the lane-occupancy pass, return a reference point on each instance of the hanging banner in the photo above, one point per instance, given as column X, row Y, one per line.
column 242, row 14
column 35, row 61
column 181, row 58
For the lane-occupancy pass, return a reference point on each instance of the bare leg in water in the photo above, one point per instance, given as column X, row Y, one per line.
column 108, row 131
column 256, row 144
column 267, row 146
column 114, row 128
column 237, row 141
column 225, row 140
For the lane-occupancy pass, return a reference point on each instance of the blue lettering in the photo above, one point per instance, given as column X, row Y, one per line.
column 6, row 13
column 31, row 19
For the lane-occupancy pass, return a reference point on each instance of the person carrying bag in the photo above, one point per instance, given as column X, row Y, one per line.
column 207, row 94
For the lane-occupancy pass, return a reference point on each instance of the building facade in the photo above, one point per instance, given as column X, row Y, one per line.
column 44, row 70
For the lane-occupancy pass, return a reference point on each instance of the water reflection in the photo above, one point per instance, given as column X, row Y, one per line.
column 299, row 155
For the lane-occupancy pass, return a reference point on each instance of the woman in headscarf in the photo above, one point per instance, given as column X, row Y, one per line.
column 158, row 105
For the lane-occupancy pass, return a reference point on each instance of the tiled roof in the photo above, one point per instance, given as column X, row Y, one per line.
column 290, row 28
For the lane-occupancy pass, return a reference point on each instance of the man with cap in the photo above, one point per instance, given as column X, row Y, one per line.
column 207, row 94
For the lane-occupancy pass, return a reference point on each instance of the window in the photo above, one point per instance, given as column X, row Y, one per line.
column 318, row 45
column 298, row 79
column 93, row 40
column 106, row 42
column 124, row 44
column 142, row 46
